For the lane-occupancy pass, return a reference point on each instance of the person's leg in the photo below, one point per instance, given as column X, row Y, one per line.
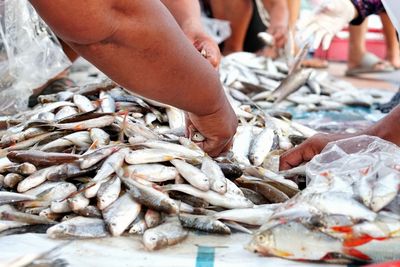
column 238, row 13
column 357, row 47
column 359, row 59
column 251, row 42
column 392, row 43
column 294, row 11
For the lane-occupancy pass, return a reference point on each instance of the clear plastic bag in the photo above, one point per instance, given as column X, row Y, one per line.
column 30, row 54
column 349, row 164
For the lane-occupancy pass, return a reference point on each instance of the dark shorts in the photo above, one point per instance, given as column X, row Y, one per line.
column 252, row 42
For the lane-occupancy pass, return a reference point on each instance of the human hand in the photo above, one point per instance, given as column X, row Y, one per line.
column 206, row 46
column 218, row 129
column 279, row 33
column 307, row 150
column 327, row 21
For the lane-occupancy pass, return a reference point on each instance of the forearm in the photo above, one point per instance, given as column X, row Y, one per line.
column 387, row 128
column 141, row 51
column 185, row 12
column 278, row 12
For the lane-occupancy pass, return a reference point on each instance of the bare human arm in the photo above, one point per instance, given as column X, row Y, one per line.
column 139, row 45
column 187, row 14
column 279, row 20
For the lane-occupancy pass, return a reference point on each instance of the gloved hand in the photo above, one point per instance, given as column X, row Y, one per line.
column 326, row 22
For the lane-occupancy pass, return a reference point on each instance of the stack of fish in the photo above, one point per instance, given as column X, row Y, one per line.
column 96, row 160
column 254, row 80
column 350, row 210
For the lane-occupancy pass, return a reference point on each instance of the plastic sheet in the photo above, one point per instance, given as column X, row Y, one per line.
column 197, row 250
column 29, row 54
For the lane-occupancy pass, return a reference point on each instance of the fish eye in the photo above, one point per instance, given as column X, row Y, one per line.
column 261, row 238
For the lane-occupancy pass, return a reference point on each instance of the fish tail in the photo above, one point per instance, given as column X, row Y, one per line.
column 78, row 127
column 355, row 253
column 355, row 241
column 342, row 229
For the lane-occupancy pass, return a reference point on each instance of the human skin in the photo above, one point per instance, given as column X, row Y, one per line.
column 187, row 14
column 239, row 12
column 279, row 19
column 139, row 45
column 387, row 129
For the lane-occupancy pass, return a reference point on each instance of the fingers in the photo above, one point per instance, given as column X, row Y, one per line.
column 215, row 147
column 212, row 54
column 318, row 38
column 326, row 42
column 292, row 158
column 279, row 34
column 308, row 32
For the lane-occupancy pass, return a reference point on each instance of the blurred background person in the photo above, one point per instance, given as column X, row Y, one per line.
column 247, row 19
column 360, row 61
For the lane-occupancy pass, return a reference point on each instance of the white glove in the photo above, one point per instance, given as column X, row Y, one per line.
column 330, row 18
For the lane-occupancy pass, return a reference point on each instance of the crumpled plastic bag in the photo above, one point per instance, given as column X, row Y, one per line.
column 346, row 159
column 30, row 54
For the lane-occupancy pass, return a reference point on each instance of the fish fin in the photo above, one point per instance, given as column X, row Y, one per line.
column 342, row 229
column 355, row 241
column 365, row 171
column 93, row 146
column 33, row 203
column 98, row 102
column 356, row 254
column 281, row 253
column 78, row 127
column 169, row 158
column 124, row 120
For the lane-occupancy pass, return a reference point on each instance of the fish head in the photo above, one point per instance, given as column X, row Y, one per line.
column 173, row 206
column 57, row 230
column 220, row 187
column 153, row 240
column 263, row 243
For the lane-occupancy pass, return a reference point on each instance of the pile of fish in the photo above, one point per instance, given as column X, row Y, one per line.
column 350, row 210
column 96, row 160
column 252, row 80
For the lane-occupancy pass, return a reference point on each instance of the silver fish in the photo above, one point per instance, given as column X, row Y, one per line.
column 108, row 193
column 120, row 214
column 10, row 197
column 229, row 201
column 204, row 223
column 215, row 175
column 152, row 172
column 192, row 174
column 167, row 234
column 79, row 227
column 152, row 218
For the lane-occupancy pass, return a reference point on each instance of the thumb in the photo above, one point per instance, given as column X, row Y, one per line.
column 212, row 147
column 292, row 158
